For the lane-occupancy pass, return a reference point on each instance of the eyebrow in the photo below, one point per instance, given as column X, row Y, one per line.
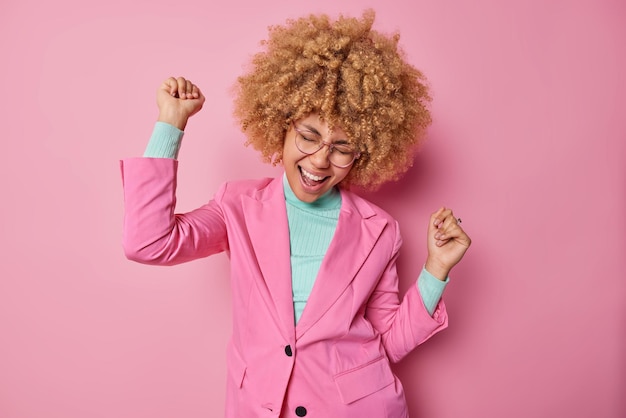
column 316, row 132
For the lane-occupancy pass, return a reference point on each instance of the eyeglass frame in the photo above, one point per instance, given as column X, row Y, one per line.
column 330, row 145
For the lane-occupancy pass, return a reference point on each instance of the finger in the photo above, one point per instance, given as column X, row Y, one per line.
column 440, row 215
column 441, row 242
column 448, row 219
column 181, row 87
column 185, row 93
column 435, row 219
column 445, row 231
column 443, row 236
column 195, row 92
column 448, row 223
column 456, row 234
column 449, row 232
column 169, row 85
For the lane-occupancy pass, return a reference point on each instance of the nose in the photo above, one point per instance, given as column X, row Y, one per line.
column 320, row 157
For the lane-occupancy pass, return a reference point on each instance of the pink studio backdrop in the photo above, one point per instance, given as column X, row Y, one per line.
column 527, row 145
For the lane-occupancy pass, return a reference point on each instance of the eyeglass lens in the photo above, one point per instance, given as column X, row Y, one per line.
column 340, row 155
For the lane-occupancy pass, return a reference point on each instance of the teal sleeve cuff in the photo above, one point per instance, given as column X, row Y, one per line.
column 431, row 289
column 164, row 142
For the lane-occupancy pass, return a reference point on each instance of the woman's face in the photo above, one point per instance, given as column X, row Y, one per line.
column 312, row 175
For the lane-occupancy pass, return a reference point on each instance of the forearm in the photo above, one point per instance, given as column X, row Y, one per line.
column 411, row 324
column 405, row 323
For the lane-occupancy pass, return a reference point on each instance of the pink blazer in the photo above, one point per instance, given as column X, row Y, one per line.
column 336, row 361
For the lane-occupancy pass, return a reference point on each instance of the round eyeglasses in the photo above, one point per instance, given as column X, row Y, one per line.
column 339, row 155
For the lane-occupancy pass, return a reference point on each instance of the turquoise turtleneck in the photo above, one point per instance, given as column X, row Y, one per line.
column 311, row 228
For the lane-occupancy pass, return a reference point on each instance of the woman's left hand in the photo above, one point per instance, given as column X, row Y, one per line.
column 447, row 243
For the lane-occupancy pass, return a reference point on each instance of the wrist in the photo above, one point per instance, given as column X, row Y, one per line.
column 437, row 269
column 174, row 119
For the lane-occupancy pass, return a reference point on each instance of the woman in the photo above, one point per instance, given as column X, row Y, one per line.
column 317, row 317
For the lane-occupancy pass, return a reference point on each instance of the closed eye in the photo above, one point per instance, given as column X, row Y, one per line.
column 307, row 136
column 343, row 149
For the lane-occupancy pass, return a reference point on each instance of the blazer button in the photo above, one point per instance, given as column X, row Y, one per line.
column 301, row 411
column 288, row 351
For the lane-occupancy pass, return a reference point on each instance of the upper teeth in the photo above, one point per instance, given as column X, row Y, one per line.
column 311, row 176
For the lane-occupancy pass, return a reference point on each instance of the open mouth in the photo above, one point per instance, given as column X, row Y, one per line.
column 311, row 179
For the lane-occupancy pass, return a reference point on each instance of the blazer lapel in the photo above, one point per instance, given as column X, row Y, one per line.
column 357, row 232
column 266, row 220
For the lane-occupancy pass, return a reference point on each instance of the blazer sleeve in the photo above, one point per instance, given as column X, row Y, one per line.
column 153, row 233
column 403, row 324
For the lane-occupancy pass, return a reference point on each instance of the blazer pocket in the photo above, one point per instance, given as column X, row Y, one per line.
column 364, row 380
column 236, row 366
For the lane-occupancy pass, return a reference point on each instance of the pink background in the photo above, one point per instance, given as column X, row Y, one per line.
column 527, row 145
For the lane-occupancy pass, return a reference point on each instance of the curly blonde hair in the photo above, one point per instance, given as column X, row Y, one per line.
column 354, row 77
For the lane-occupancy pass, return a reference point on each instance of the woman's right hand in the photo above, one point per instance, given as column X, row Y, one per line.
column 178, row 99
